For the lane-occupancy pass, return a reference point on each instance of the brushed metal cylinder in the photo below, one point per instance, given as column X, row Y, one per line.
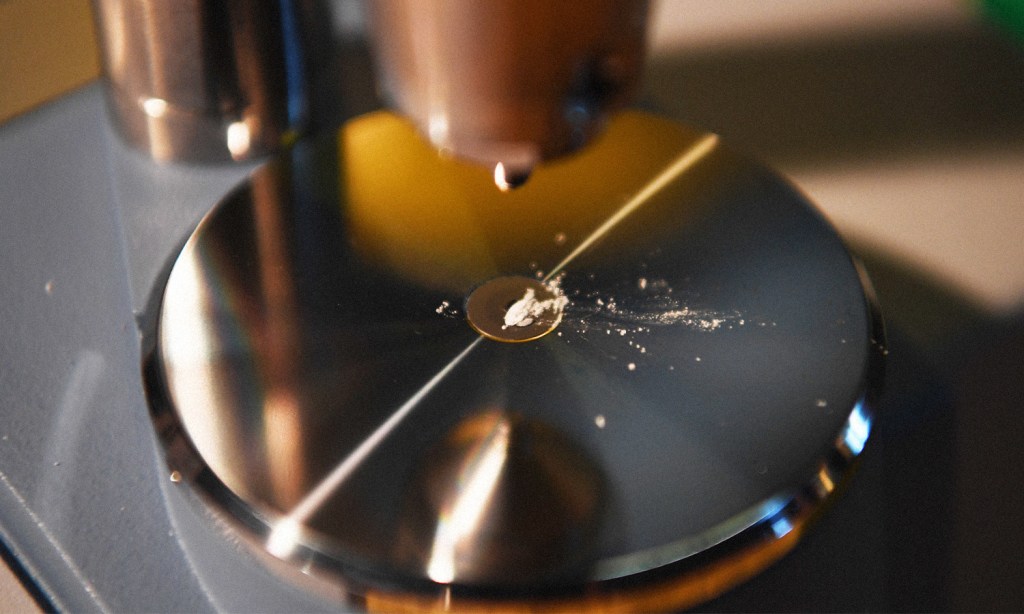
column 206, row 80
column 510, row 81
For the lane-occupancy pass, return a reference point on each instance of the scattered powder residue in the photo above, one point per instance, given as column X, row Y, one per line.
column 821, row 403
column 447, row 310
column 48, row 287
column 688, row 317
column 650, row 303
column 634, row 312
column 631, row 313
column 560, row 238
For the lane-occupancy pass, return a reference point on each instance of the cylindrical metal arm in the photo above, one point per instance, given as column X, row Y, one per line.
column 205, row 80
column 510, row 81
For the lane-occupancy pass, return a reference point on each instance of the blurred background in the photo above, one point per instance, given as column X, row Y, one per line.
column 904, row 122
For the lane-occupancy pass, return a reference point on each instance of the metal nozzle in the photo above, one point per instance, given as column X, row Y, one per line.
column 510, row 81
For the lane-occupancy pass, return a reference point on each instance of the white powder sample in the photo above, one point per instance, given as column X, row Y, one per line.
column 527, row 309
column 631, row 366
column 599, row 421
column 519, row 313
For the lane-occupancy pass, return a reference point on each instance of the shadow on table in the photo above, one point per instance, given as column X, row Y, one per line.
column 833, row 101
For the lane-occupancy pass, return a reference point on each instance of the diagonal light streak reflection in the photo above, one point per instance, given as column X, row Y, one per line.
column 284, row 536
column 677, row 167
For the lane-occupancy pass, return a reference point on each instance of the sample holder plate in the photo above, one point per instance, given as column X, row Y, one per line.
column 695, row 381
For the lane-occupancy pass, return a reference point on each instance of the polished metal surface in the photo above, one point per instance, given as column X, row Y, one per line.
column 508, row 81
column 515, row 308
column 707, row 387
column 502, row 501
column 207, row 80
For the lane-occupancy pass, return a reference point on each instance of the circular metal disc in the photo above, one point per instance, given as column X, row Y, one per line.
column 515, row 309
column 332, row 343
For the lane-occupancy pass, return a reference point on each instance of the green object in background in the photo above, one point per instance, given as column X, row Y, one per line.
column 1007, row 13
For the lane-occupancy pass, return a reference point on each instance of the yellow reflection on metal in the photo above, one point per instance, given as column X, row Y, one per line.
column 825, row 480
column 441, row 222
column 672, row 172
